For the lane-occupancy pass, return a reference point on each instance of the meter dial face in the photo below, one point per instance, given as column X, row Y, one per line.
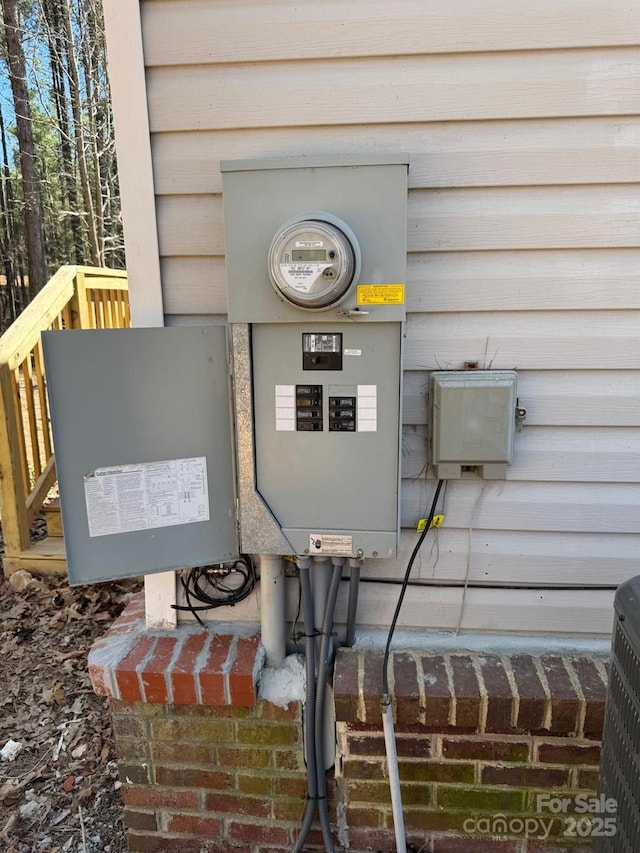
column 311, row 264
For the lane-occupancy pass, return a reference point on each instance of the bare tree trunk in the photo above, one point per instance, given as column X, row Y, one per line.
column 57, row 53
column 76, row 105
column 33, row 217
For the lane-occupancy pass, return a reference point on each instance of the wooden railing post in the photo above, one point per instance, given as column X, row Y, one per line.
column 79, row 304
column 15, row 525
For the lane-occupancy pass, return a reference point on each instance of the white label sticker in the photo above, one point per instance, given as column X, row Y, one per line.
column 335, row 544
column 367, row 408
column 302, row 276
column 285, row 408
column 124, row 498
column 353, row 352
column 309, row 244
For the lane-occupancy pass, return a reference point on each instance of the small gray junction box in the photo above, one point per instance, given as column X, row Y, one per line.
column 472, row 421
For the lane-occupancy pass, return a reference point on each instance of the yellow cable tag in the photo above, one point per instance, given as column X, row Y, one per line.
column 435, row 522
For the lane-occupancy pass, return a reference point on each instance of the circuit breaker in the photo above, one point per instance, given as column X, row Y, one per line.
column 278, row 433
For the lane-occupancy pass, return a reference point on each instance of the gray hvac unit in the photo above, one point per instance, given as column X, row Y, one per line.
column 620, row 760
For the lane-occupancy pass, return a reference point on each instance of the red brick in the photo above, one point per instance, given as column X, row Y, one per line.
column 184, row 753
column 140, row 820
column 588, row 780
column 437, row 691
column 148, row 843
column 177, row 777
column 183, row 671
column 159, row 798
column 525, row 777
column 533, row 700
column 133, row 774
column 486, row 750
column 564, row 702
column 345, row 681
column 405, row 689
column 380, row 841
column 211, row 676
column 154, row 674
column 372, row 688
column 467, row 692
column 359, row 744
column 242, row 686
column 499, row 694
column 595, row 694
column 126, row 674
column 364, row 817
column 568, row 753
column 194, row 825
column 256, row 833
column 238, row 804
column 416, row 746
column 100, row 676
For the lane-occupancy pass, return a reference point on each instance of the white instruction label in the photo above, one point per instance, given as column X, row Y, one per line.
column 124, row 498
column 335, row 544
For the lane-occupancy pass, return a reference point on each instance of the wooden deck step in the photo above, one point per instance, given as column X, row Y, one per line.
column 46, row 557
column 53, row 518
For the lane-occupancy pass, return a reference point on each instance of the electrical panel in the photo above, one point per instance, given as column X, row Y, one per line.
column 316, row 265
column 472, row 421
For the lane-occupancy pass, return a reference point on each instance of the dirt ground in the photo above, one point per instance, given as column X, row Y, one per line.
column 61, row 791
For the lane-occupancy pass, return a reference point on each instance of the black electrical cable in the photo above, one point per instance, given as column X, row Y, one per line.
column 405, row 582
column 210, row 586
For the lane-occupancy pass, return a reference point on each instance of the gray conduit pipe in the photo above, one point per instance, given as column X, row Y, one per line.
column 272, row 610
column 324, row 665
column 352, row 607
column 310, row 701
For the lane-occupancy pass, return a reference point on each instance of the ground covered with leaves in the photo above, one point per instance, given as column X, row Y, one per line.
column 59, row 788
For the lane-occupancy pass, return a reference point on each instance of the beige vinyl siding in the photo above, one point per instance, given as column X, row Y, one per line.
column 523, row 126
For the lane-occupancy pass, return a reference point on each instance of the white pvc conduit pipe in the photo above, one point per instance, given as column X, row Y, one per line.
column 272, row 610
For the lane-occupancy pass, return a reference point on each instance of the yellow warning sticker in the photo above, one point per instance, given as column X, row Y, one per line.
column 380, row 294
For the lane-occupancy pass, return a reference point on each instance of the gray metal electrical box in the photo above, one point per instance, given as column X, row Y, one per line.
column 472, row 421
column 279, row 434
column 316, row 265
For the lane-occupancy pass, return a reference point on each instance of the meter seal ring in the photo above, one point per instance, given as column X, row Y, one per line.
column 322, row 218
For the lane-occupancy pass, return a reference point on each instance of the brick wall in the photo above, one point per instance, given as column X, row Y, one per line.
column 208, row 766
column 480, row 739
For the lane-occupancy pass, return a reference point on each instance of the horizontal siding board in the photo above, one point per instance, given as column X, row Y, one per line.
column 555, row 612
column 453, row 220
column 523, row 218
column 447, row 154
column 553, row 454
column 553, row 340
column 195, row 285
column 514, row 505
column 555, row 398
column 201, row 31
column 576, row 279
column 399, row 89
column 514, row 557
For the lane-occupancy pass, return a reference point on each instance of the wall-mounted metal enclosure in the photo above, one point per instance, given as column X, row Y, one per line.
column 309, row 374
column 316, row 265
column 472, row 421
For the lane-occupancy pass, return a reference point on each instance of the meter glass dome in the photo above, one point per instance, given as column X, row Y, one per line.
column 312, row 264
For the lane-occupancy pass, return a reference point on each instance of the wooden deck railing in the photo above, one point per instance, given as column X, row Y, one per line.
column 75, row 298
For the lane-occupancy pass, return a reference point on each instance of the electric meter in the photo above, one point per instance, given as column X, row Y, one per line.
column 313, row 262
